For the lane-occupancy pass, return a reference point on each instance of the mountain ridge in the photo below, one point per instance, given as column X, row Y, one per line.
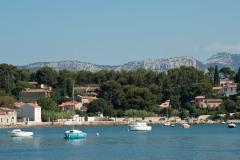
column 159, row 64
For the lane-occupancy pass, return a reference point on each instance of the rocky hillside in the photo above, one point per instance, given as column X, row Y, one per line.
column 159, row 65
column 224, row 59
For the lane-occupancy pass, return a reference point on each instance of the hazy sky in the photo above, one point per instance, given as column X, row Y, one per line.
column 116, row 31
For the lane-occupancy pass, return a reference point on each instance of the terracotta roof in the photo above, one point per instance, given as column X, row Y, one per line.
column 69, row 104
column 88, row 97
column 214, row 100
column 197, row 97
column 3, row 109
column 36, row 90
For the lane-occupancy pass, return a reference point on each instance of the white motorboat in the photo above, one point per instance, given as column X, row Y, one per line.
column 232, row 125
column 139, row 126
column 167, row 124
column 185, row 125
column 20, row 133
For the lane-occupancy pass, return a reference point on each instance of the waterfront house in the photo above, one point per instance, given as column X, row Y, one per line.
column 7, row 116
column 202, row 102
column 29, row 111
column 70, row 106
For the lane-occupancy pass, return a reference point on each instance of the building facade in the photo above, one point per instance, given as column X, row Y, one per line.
column 29, row 111
column 32, row 95
column 70, row 106
column 202, row 102
column 7, row 116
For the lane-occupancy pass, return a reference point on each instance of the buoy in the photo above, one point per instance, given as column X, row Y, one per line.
column 97, row 134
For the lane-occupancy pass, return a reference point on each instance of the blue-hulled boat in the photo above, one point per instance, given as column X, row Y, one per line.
column 75, row 134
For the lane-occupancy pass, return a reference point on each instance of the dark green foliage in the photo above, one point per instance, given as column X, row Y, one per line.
column 237, row 76
column 216, row 76
column 230, row 105
column 46, row 75
column 227, row 72
column 6, row 101
column 100, row 106
column 47, row 103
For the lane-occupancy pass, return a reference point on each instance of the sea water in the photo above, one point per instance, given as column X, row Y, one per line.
column 199, row 142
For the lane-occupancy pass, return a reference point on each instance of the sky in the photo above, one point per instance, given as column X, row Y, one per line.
column 113, row 32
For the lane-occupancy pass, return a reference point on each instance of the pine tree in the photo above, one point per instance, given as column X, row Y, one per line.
column 216, row 76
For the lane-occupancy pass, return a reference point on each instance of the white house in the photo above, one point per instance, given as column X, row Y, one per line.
column 7, row 116
column 30, row 111
column 228, row 87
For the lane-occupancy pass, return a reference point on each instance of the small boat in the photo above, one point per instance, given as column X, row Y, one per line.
column 139, row 126
column 185, row 125
column 20, row 133
column 172, row 125
column 167, row 124
column 232, row 125
column 74, row 134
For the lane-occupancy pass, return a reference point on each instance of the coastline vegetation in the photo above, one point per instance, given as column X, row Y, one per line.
column 122, row 93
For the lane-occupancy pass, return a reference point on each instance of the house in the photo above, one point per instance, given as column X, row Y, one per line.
column 87, row 99
column 8, row 116
column 70, row 106
column 166, row 104
column 227, row 87
column 32, row 95
column 29, row 111
column 202, row 102
column 87, row 91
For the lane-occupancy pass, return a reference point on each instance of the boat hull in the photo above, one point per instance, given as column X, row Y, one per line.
column 75, row 135
column 140, row 128
column 232, row 126
column 23, row 134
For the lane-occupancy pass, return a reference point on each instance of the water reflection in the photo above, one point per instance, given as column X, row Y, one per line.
column 76, row 142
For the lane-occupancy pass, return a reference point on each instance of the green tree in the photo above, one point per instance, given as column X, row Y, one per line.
column 7, row 101
column 46, row 75
column 210, row 74
column 227, row 72
column 100, row 106
column 237, row 76
column 47, row 103
column 230, row 106
column 216, row 76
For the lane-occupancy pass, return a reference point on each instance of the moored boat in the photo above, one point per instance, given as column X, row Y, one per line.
column 167, row 124
column 139, row 126
column 20, row 133
column 185, row 125
column 232, row 125
column 74, row 134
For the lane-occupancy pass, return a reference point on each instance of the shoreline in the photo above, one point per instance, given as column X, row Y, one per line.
column 96, row 123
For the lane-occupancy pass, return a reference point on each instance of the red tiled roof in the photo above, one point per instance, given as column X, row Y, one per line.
column 69, row 104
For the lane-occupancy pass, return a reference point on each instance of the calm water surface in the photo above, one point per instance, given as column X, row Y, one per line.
column 200, row 142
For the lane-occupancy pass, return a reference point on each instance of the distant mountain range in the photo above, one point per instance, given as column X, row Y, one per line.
column 159, row 65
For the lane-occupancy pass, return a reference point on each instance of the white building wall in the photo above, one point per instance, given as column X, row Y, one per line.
column 37, row 114
column 8, row 119
column 31, row 112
